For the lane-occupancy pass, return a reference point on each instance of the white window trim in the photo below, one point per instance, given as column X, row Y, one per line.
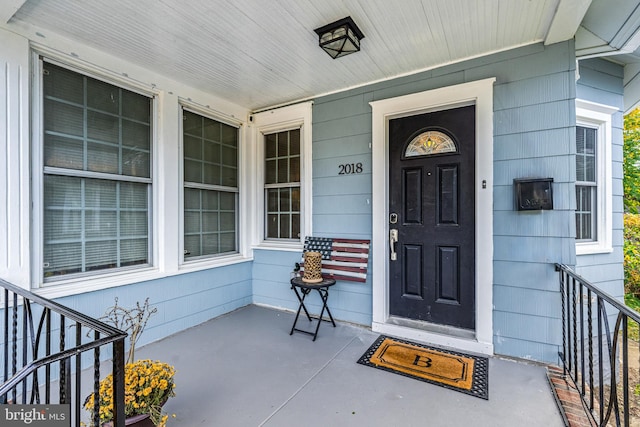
column 285, row 118
column 599, row 117
column 224, row 259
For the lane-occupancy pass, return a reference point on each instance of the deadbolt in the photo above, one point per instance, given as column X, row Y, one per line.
column 393, row 218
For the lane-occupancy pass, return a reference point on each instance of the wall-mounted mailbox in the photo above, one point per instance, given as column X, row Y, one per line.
column 533, row 194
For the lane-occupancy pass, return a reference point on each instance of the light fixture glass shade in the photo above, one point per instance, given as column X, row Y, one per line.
column 340, row 38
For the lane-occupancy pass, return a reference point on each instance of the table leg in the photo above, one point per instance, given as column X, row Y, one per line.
column 324, row 295
column 301, row 306
column 325, row 300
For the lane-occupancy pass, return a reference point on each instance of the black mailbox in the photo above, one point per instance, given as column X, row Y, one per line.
column 533, row 194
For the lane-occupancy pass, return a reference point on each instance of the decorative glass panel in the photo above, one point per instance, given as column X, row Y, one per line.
column 429, row 143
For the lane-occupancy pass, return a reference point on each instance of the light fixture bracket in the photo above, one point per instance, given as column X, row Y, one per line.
column 340, row 38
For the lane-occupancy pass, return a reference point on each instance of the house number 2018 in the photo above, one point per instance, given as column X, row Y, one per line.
column 349, row 168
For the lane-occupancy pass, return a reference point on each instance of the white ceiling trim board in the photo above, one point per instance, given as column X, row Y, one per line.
column 569, row 14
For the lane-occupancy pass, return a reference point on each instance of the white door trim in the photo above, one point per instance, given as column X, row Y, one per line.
column 479, row 93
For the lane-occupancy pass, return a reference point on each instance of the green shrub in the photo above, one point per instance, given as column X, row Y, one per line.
column 632, row 254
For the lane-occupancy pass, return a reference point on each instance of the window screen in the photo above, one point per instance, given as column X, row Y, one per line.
column 97, row 174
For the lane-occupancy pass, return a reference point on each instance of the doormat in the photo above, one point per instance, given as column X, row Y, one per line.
column 456, row 371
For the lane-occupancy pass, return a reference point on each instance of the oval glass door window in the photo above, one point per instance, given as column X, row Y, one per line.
column 429, row 143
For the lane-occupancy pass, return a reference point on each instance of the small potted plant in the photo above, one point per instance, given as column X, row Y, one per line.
column 148, row 384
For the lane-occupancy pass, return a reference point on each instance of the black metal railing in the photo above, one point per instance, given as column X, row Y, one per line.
column 597, row 357
column 45, row 347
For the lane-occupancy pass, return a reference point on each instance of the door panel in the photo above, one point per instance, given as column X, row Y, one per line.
column 448, row 195
column 412, row 184
column 413, row 271
column 448, row 273
column 432, row 192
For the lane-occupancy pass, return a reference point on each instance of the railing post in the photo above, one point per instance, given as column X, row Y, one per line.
column 118, row 383
column 625, row 371
column 6, row 341
column 600, row 309
column 582, row 367
column 564, row 317
column 78, row 385
column 47, row 369
column 590, row 332
column 574, row 325
column 14, row 343
column 63, row 363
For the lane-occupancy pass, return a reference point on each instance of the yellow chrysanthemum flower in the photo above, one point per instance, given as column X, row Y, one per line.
column 148, row 385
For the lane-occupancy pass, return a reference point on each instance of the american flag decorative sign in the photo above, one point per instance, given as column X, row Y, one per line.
column 342, row 259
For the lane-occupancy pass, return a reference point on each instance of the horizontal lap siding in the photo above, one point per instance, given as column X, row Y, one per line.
column 533, row 121
column 534, row 134
column 182, row 301
column 601, row 81
column 350, row 301
column 534, row 114
column 271, row 273
column 342, row 202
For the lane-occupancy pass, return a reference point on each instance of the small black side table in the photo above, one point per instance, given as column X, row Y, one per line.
column 302, row 289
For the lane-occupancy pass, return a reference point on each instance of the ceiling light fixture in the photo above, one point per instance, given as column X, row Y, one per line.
column 340, row 38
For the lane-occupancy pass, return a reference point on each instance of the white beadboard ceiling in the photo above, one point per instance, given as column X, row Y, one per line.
column 262, row 53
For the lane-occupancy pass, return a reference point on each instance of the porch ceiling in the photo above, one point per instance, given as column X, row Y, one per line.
column 259, row 53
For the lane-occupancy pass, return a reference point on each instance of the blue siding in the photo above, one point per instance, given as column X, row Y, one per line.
column 271, row 272
column 534, row 114
column 534, row 118
column 182, row 301
column 350, row 301
column 601, row 82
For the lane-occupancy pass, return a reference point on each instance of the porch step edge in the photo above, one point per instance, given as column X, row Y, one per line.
column 568, row 399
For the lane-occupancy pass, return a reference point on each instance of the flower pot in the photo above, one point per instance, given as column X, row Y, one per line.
column 139, row 421
column 142, row 420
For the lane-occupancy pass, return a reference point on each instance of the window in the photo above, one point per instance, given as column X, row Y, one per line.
column 96, row 176
column 210, row 186
column 282, row 184
column 282, row 139
column 586, row 184
column 429, row 143
column 593, row 184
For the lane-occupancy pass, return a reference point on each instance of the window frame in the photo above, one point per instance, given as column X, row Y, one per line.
column 212, row 259
column 297, row 116
column 289, row 185
column 598, row 117
column 85, row 281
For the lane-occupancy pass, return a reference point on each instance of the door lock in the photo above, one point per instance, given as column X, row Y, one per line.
column 393, row 218
column 393, row 239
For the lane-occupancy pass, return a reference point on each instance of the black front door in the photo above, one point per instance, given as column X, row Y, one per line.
column 432, row 207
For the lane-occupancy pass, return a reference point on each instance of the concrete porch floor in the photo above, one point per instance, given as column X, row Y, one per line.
column 244, row 369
